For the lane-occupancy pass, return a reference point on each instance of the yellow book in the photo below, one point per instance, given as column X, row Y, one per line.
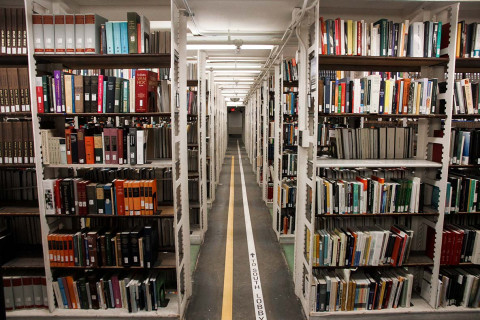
column 349, row 37
column 419, row 90
column 459, row 34
column 387, row 103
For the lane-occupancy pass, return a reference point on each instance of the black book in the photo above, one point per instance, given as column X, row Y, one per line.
column 134, row 245
column 117, row 95
column 94, row 94
column 125, row 248
column 132, row 140
column 82, row 293
column 91, row 198
column 68, row 205
column 86, row 93
column 103, row 39
column 126, row 142
column 110, row 96
column 100, row 198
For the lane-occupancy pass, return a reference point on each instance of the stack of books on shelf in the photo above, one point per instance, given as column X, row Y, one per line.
column 290, row 70
column 468, row 40
column 100, row 247
column 462, row 193
column 14, row 90
column 382, row 38
column 132, row 291
column 69, row 93
column 466, row 93
column 290, row 101
column 93, row 34
column 373, row 143
column 464, row 146
column 290, row 133
column 348, row 291
column 289, row 163
column 18, row 185
column 83, row 197
column 460, row 244
column 13, row 31
column 26, row 291
column 362, row 246
column 380, row 94
column 16, row 142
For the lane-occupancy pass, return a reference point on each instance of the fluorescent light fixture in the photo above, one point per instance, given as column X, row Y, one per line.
column 233, row 104
column 229, row 47
column 233, row 66
column 247, row 72
column 232, row 83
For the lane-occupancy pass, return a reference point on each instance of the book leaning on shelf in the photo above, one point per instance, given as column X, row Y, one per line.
column 344, row 290
column 468, row 40
column 93, row 34
column 14, row 90
column 25, row 291
column 69, row 93
column 290, row 101
column 16, row 142
column 83, row 197
column 290, row 70
column 464, row 146
column 463, row 189
column 379, row 94
column 13, row 31
column 132, row 291
column 457, row 287
column 466, row 97
column 99, row 247
column 382, row 38
column 98, row 145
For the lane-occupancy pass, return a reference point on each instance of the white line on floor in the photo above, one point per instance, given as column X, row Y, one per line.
column 260, row 313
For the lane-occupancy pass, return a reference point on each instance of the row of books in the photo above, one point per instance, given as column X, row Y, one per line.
column 382, row 38
column 14, row 90
column 460, row 244
column 468, row 40
column 132, row 291
column 374, row 94
column 373, row 143
column 286, row 221
column 290, row 103
column 69, row 93
column 13, row 31
column 374, row 290
column 289, row 163
column 462, row 193
column 374, row 195
column 16, row 142
column 464, row 148
column 290, row 133
column 192, row 102
column 18, row 184
column 290, row 70
column 362, row 246
column 193, row 160
column 465, row 97
column 287, row 194
column 82, row 197
column 93, row 34
column 104, row 247
column 458, row 287
column 25, row 292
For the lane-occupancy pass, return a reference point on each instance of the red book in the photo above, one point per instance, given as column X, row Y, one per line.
column 344, row 93
column 116, row 292
column 80, row 19
column 437, row 147
column 69, row 19
column 39, row 91
column 81, row 145
column 359, row 38
column 323, row 36
column 119, row 146
column 337, row 37
column 59, row 19
column 68, row 144
column 89, row 150
column 139, row 38
column 58, row 198
column 17, row 282
column 119, row 196
column 71, row 261
column 145, row 82
column 100, row 94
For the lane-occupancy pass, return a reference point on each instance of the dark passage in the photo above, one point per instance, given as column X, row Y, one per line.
column 278, row 291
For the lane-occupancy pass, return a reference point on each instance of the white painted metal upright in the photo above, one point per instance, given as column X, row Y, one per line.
column 202, row 139
column 259, row 141
column 266, row 132
column 212, row 133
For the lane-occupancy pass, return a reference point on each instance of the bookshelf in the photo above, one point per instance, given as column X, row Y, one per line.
column 265, row 141
column 259, row 156
column 211, row 142
column 312, row 162
column 176, row 258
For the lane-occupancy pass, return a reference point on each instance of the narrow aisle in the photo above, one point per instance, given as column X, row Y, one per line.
column 208, row 281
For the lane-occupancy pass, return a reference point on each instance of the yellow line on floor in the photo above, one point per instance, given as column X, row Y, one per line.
column 227, row 305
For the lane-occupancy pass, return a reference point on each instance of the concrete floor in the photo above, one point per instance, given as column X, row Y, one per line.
column 278, row 291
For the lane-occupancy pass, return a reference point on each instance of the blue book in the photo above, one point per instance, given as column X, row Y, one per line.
column 117, row 42
column 107, row 190
column 109, row 32
column 73, row 94
column 124, row 36
column 466, row 147
column 104, row 96
column 126, row 100
column 327, row 94
column 114, row 200
column 381, row 108
column 62, row 291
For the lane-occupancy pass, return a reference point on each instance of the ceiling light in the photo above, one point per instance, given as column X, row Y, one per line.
column 233, row 66
column 239, row 82
column 229, row 47
column 237, row 71
column 257, row 47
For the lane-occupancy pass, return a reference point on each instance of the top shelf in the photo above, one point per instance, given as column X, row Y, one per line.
column 106, row 61
column 13, row 60
column 366, row 63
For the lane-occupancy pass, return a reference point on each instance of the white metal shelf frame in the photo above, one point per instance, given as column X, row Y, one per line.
column 202, row 140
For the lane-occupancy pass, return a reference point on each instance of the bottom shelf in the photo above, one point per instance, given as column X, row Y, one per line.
column 169, row 312
column 418, row 306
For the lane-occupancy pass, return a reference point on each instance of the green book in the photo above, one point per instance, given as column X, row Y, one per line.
column 383, row 36
column 133, row 21
column 126, row 95
column 118, row 96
